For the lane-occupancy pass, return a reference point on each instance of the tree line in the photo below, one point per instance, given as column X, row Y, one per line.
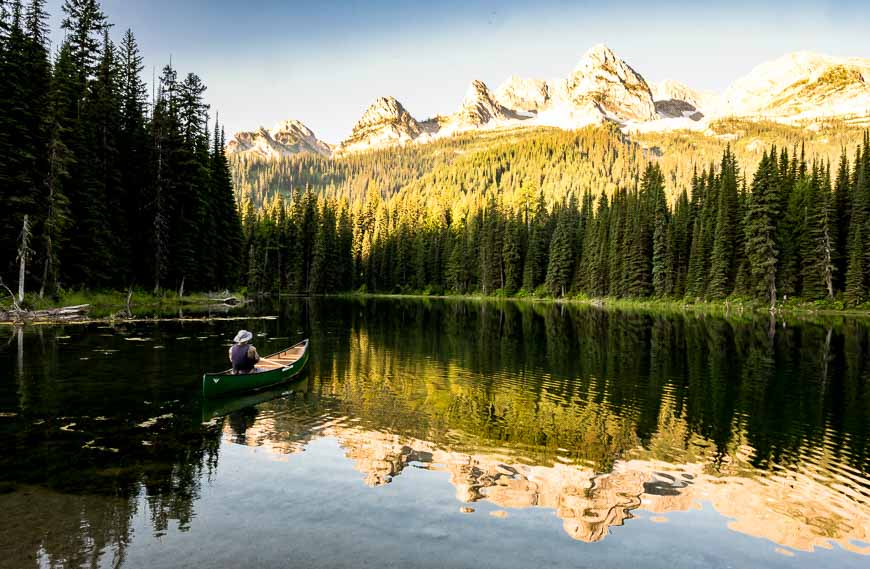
column 794, row 228
column 102, row 187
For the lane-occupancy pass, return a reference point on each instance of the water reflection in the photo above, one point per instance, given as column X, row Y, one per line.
column 600, row 417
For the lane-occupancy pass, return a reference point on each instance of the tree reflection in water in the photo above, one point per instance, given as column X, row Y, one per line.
column 598, row 416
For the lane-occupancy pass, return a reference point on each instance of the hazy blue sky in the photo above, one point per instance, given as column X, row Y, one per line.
column 324, row 62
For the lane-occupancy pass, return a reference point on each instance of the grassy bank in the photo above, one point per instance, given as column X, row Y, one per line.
column 111, row 304
column 115, row 299
column 725, row 306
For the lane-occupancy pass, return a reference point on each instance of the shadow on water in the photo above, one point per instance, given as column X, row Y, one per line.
column 595, row 415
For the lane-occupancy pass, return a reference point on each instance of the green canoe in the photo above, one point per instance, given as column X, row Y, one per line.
column 274, row 369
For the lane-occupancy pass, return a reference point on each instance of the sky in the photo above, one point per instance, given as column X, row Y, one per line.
column 324, row 62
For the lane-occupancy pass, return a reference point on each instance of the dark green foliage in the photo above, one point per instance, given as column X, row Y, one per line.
column 491, row 247
column 117, row 194
column 723, row 261
column 662, row 261
column 842, row 209
column 512, row 255
column 857, row 254
column 563, row 251
column 538, row 227
column 323, row 268
column 763, row 210
column 726, row 240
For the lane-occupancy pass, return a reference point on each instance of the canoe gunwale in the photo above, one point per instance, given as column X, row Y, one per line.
column 229, row 372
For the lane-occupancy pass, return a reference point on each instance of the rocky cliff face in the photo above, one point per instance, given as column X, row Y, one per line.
column 523, row 95
column 601, row 87
column 674, row 99
column 479, row 107
column 385, row 123
column 284, row 139
column 604, row 79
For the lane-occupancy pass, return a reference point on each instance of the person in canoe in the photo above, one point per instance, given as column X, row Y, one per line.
column 243, row 355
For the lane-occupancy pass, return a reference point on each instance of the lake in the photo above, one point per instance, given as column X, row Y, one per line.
column 441, row 433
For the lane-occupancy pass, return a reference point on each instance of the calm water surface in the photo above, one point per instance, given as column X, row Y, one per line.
column 441, row 434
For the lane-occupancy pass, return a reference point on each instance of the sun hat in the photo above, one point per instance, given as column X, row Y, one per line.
column 242, row 337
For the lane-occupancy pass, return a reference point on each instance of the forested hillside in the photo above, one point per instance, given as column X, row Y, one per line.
column 101, row 185
column 679, row 153
column 584, row 212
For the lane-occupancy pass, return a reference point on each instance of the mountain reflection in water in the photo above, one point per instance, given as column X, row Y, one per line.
column 795, row 509
column 599, row 417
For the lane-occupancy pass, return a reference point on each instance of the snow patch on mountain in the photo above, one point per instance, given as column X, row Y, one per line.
column 523, row 95
column 284, row 139
column 384, row 123
column 802, row 86
column 601, row 77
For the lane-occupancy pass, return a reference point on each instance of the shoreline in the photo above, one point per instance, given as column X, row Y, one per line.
column 113, row 307
column 718, row 307
column 83, row 307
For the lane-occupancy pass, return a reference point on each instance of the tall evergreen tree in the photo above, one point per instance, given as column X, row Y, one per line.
column 723, row 261
column 762, row 213
column 560, row 268
column 512, row 257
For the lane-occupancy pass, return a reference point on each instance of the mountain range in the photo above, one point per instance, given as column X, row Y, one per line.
column 800, row 88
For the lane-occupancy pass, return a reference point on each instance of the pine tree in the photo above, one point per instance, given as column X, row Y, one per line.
column 842, row 212
column 588, row 248
column 704, row 197
column 322, row 271
column 615, row 250
column 84, row 22
column 856, row 272
column 761, row 227
column 723, row 268
column 228, row 227
column 457, row 272
column 662, row 262
column 535, row 266
column 512, row 256
column 345, row 259
column 491, row 247
column 679, row 241
column 560, row 268
column 134, row 157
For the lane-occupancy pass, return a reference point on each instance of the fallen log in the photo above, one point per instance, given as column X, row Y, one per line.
column 47, row 314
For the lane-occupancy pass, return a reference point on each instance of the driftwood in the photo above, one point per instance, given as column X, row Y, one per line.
column 62, row 314
column 224, row 298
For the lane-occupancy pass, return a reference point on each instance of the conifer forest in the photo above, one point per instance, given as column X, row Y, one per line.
column 562, row 214
column 107, row 184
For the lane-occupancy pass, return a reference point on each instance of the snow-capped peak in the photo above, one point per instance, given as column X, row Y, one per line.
column 384, row 109
column 480, row 107
column 286, row 138
column 384, row 122
column 603, row 78
column 597, row 55
column 524, row 95
column 797, row 87
column 802, row 85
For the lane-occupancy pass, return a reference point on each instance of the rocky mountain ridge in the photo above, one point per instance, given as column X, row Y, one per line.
column 284, row 139
column 798, row 88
